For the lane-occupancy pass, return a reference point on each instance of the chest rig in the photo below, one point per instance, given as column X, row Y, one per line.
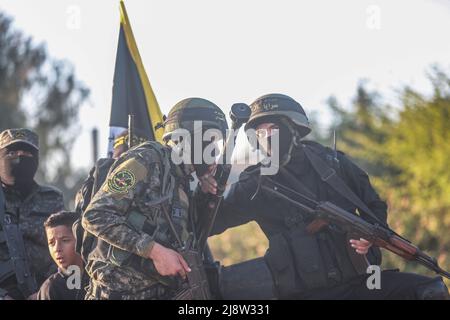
column 164, row 217
column 300, row 261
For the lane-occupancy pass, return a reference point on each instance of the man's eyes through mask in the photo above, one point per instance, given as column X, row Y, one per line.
column 18, row 153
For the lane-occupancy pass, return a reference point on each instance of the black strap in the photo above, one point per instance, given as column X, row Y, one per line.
column 296, row 183
column 172, row 226
column 329, row 176
column 100, row 174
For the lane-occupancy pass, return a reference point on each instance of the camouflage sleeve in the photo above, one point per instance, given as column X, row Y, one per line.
column 46, row 202
column 106, row 216
column 32, row 225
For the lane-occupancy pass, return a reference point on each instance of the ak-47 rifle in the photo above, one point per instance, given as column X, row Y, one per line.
column 325, row 213
column 18, row 264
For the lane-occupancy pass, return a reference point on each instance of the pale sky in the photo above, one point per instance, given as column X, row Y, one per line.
column 236, row 50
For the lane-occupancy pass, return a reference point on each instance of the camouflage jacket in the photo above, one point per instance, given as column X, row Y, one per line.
column 135, row 187
column 30, row 214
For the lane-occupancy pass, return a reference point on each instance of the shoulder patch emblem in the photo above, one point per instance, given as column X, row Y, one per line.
column 121, row 181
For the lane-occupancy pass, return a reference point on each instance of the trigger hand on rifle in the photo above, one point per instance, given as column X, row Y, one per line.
column 168, row 262
column 207, row 182
column 361, row 246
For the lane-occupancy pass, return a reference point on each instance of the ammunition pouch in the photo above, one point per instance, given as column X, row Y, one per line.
column 308, row 260
column 195, row 288
column 280, row 262
column 300, row 261
column 247, row 280
column 122, row 258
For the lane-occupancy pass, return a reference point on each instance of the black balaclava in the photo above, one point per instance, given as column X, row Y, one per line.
column 285, row 138
column 18, row 171
column 199, row 168
column 202, row 168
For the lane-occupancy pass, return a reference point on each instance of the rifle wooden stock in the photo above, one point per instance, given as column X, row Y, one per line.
column 403, row 245
column 316, row 225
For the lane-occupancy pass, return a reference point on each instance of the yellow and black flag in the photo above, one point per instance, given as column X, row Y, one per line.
column 132, row 93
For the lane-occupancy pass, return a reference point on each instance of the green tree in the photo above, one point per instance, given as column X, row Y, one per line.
column 361, row 129
column 43, row 94
column 419, row 144
column 406, row 154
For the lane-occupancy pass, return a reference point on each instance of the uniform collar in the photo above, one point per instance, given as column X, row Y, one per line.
column 10, row 190
column 299, row 163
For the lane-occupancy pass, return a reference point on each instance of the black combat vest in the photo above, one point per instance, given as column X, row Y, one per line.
column 300, row 261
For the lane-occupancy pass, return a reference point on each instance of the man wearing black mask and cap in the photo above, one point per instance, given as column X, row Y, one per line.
column 329, row 264
column 24, row 258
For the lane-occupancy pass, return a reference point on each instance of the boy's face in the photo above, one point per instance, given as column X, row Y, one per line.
column 61, row 244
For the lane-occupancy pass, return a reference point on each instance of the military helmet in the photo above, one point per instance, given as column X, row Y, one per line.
column 185, row 112
column 278, row 105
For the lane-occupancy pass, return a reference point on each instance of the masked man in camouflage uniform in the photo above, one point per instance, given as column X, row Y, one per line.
column 27, row 205
column 142, row 214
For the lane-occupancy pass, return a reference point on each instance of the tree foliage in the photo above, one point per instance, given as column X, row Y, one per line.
column 43, row 94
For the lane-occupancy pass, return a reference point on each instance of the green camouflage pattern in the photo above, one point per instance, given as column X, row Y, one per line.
column 133, row 185
column 30, row 214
